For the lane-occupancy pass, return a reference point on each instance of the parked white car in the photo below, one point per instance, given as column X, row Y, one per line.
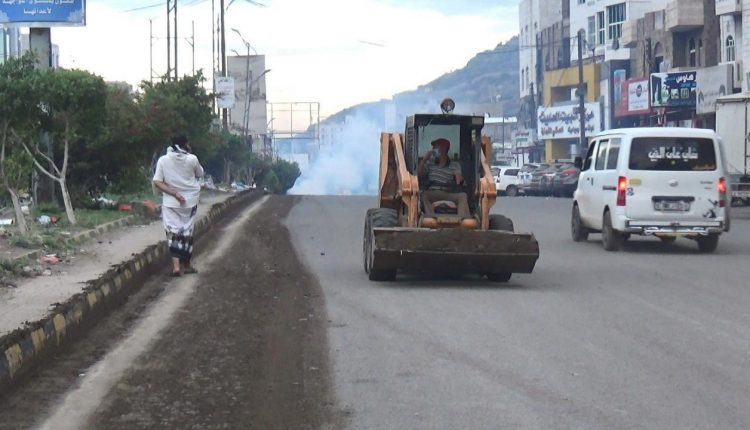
column 506, row 180
column 663, row 182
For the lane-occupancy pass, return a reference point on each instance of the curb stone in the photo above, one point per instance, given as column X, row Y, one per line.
column 24, row 348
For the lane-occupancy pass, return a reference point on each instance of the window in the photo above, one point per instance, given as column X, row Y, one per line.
column 523, row 78
column 601, row 155
column 730, row 48
column 658, row 57
column 700, row 52
column 600, row 26
column 511, row 172
column 615, row 18
column 592, row 32
column 613, row 154
column 589, row 157
column 672, row 154
column 691, row 53
column 581, row 1
column 528, row 77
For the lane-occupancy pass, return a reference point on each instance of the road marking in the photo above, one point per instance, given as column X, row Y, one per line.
column 79, row 404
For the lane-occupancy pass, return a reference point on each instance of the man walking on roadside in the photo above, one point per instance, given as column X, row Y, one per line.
column 176, row 176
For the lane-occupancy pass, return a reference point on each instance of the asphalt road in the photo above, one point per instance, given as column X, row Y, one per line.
column 281, row 329
column 656, row 336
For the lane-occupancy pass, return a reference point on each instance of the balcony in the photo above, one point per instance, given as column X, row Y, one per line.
column 684, row 15
column 728, row 7
column 629, row 37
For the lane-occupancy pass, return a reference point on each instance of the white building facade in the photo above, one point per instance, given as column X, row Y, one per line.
column 534, row 16
column 732, row 44
column 603, row 22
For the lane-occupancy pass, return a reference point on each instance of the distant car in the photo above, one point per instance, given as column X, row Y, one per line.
column 539, row 178
column 565, row 181
column 664, row 182
column 506, row 180
column 525, row 175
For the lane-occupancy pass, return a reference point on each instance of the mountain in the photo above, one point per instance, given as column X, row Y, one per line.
column 474, row 87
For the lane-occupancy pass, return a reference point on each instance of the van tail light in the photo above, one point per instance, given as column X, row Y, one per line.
column 622, row 188
column 722, row 192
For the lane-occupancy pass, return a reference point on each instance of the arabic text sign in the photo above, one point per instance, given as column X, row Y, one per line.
column 225, row 96
column 564, row 122
column 673, row 89
column 49, row 12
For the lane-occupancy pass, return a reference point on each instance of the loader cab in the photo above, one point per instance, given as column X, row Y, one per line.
column 464, row 133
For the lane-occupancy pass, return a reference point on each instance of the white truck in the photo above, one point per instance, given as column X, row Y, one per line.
column 733, row 126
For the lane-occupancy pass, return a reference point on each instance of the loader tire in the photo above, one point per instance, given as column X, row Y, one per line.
column 501, row 223
column 378, row 217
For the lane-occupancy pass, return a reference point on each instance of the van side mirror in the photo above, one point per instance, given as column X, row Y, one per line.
column 578, row 162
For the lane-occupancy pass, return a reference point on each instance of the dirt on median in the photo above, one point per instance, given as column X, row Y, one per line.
column 248, row 350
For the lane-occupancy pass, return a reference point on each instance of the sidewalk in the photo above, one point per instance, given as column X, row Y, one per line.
column 33, row 298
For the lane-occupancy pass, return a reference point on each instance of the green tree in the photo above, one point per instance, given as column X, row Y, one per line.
column 171, row 107
column 19, row 114
column 73, row 103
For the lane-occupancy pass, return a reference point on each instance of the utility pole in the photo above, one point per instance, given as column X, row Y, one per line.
column 224, row 112
column 192, row 44
column 169, row 42
column 581, row 104
column 151, row 50
column 175, row 40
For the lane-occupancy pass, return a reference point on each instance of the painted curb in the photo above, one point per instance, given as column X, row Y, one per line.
column 27, row 347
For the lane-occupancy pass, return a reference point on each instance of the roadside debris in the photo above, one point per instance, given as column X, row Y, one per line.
column 50, row 259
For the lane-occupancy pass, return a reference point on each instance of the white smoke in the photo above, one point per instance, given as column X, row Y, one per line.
column 348, row 163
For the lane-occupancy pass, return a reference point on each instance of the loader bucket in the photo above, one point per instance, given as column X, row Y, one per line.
column 450, row 251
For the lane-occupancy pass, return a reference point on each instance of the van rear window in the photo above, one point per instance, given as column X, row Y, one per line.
column 672, row 154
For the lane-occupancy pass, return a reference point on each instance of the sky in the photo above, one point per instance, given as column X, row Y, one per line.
column 336, row 52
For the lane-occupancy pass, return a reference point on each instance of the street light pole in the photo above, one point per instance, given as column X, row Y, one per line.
column 224, row 112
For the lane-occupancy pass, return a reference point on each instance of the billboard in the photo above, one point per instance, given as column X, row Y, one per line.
column 634, row 99
column 713, row 82
column 673, row 89
column 563, row 122
column 43, row 13
column 225, row 92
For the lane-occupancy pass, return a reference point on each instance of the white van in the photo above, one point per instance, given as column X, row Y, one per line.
column 663, row 182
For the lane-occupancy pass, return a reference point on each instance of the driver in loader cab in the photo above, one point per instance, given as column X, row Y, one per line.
column 443, row 175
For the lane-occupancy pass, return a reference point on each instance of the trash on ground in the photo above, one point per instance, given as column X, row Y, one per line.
column 44, row 220
column 7, row 221
column 124, row 207
column 50, row 259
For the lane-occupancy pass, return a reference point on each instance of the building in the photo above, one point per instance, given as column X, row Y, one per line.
column 10, row 43
column 679, row 54
column 558, row 120
column 24, row 48
column 543, row 45
column 249, row 114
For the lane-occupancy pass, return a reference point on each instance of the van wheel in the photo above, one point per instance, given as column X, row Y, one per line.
column 511, row 191
column 611, row 238
column 577, row 230
column 708, row 244
column 499, row 277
